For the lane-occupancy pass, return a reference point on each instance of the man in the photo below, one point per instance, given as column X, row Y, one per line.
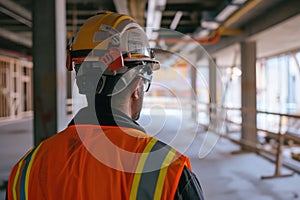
column 104, row 153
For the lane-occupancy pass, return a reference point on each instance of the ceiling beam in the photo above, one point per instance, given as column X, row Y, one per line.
column 273, row 16
column 27, row 42
column 17, row 28
column 121, row 7
column 16, row 17
column 172, row 13
column 88, row 1
column 8, row 22
column 181, row 22
column 16, row 8
column 82, row 12
column 191, row 1
column 78, row 21
column 137, row 10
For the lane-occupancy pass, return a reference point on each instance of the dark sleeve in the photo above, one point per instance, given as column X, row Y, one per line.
column 6, row 198
column 188, row 187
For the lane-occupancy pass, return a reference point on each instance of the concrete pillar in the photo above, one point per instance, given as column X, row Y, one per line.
column 212, row 89
column 248, row 66
column 49, row 74
column 194, row 94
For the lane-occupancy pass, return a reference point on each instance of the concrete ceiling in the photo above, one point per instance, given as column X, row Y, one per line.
column 260, row 20
column 281, row 38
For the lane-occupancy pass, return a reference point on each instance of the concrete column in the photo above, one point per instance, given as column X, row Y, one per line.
column 49, row 40
column 248, row 66
column 212, row 89
column 194, row 94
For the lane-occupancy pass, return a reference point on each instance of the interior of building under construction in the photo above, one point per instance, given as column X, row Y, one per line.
column 226, row 94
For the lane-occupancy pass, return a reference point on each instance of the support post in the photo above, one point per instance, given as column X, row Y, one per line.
column 194, row 94
column 212, row 90
column 279, row 158
column 248, row 66
column 49, row 40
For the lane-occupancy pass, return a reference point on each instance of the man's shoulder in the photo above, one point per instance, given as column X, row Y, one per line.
column 57, row 140
column 189, row 186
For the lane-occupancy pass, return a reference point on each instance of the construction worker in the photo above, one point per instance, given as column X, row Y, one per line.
column 104, row 153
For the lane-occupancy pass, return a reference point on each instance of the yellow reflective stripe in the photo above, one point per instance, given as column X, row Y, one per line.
column 16, row 179
column 139, row 169
column 28, row 171
column 17, row 174
column 163, row 172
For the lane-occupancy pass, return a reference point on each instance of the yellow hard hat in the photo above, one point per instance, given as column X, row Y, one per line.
column 107, row 47
column 113, row 40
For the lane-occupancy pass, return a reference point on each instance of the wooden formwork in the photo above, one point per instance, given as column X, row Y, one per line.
column 15, row 88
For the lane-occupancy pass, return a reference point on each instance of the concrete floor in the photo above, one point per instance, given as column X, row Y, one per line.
column 223, row 175
column 226, row 176
column 16, row 139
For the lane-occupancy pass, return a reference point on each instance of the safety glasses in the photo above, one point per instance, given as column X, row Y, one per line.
column 145, row 72
column 147, row 84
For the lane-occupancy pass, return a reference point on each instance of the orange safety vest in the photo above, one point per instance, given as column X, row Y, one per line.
column 98, row 162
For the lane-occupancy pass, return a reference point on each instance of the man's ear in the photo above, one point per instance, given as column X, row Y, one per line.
column 135, row 90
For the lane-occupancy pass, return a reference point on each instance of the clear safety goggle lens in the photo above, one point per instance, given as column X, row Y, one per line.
column 147, row 84
column 146, row 75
